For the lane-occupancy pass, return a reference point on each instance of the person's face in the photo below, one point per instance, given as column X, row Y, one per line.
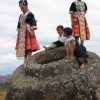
column 65, row 35
column 79, row 0
column 60, row 31
column 23, row 9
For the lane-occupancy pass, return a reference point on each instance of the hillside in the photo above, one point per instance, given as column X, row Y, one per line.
column 3, row 79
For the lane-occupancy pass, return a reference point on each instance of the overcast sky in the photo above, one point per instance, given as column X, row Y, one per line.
column 50, row 14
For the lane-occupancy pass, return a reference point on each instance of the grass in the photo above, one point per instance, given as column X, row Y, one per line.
column 3, row 90
column 2, row 94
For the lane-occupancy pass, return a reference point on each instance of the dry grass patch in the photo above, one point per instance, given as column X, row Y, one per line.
column 2, row 95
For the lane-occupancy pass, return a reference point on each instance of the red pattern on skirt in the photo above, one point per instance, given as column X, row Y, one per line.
column 31, row 43
column 76, row 28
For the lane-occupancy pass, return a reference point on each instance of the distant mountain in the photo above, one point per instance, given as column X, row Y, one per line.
column 8, row 76
column 4, row 79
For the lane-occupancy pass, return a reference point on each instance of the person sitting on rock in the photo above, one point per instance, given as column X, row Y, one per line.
column 61, row 39
column 69, row 43
column 81, row 55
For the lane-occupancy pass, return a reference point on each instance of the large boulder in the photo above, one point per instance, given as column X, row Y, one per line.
column 49, row 76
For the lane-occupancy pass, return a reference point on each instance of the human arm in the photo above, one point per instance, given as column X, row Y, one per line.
column 67, row 51
column 71, row 17
column 72, row 48
column 32, row 22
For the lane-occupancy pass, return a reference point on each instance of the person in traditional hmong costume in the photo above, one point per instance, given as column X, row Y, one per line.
column 26, row 40
column 80, row 28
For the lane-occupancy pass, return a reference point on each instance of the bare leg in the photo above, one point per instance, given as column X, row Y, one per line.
column 46, row 48
column 29, row 54
column 26, row 56
column 82, row 66
column 50, row 47
column 77, row 40
column 82, row 42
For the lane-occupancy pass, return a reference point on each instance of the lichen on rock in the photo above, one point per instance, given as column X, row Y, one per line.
column 49, row 76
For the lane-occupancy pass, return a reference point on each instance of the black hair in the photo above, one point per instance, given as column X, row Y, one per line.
column 68, row 31
column 60, row 26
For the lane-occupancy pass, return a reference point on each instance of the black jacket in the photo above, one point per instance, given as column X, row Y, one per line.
column 30, row 20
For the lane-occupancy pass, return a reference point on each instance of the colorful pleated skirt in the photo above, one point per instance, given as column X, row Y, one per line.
column 80, row 28
column 31, row 44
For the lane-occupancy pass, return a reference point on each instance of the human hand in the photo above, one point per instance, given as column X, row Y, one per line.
column 32, row 33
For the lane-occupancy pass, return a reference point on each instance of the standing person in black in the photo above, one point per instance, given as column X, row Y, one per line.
column 81, row 55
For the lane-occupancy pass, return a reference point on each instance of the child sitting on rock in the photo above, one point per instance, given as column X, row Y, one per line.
column 81, row 55
column 61, row 39
column 69, row 43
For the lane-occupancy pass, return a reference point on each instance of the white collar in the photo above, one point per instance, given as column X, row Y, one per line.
column 26, row 13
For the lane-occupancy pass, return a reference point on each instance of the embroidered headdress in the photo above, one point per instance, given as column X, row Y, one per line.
column 23, row 2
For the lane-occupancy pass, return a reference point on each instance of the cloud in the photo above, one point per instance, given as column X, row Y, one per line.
column 50, row 14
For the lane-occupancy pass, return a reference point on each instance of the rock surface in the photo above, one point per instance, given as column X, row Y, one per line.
column 49, row 76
